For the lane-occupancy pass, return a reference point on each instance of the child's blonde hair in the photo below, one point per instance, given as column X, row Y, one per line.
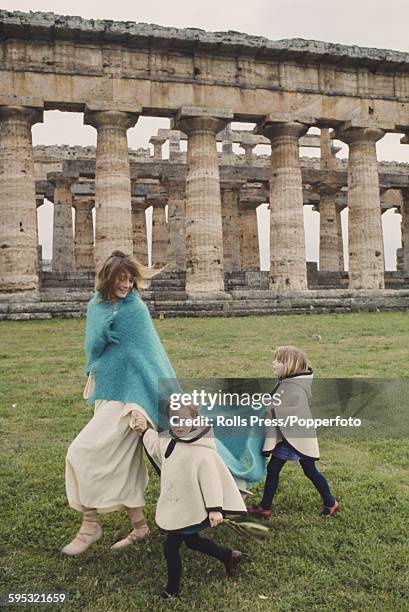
column 293, row 358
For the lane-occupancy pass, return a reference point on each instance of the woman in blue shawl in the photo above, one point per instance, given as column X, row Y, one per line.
column 125, row 360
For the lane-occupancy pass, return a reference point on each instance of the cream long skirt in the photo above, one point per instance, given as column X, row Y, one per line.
column 104, row 465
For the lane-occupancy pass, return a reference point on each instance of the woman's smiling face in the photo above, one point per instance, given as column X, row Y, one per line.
column 123, row 285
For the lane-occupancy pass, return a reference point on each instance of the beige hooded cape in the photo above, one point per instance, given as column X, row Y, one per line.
column 194, row 479
column 295, row 393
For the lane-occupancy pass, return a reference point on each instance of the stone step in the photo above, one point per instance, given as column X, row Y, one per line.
column 165, row 283
column 166, row 296
column 26, row 316
column 44, row 307
column 68, row 285
column 186, row 305
column 66, row 296
column 239, row 303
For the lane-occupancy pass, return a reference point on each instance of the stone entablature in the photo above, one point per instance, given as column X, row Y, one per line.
column 37, row 24
column 313, row 82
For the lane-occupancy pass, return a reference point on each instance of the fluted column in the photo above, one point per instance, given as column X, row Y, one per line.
column 288, row 268
column 160, row 237
column 227, row 146
column 174, row 145
column 329, row 230
column 113, row 221
column 139, row 233
column 248, row 146
column 84, row 235
column 405, row 229
column 327, row 159
column 157, row 146
column 249, row 245
column 366, row 259
column 204, row 232
column 63, row 238
column 329, row 255
column 340, row 241
column 176, row 189
column 18, row 227
column 39, row 202
column 231, row 225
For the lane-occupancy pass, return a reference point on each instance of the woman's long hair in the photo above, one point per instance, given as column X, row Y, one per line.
column 116, row 264
column 293, row 358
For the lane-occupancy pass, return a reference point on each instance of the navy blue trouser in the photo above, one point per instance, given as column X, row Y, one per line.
column 274, row 468
column 195, row 542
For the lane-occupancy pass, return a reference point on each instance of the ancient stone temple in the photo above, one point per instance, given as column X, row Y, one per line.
column 204, row 202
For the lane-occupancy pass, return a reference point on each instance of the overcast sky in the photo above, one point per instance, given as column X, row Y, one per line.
column 368, row 23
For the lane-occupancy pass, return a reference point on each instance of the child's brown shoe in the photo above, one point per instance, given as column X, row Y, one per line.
column 328, row 511
column 259, row 512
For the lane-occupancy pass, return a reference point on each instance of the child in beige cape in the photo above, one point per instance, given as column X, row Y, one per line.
column 196, row 491
column 292, row 443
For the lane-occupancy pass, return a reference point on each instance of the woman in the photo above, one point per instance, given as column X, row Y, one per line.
column 125, row 360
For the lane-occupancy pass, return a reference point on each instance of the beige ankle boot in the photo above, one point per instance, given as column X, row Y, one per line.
column 140, row 529
column 89, row 532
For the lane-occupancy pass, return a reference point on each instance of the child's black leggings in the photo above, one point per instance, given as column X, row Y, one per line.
column 310, row 470
column 195, row 542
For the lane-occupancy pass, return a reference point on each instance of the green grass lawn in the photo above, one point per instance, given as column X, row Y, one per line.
column 356, row 561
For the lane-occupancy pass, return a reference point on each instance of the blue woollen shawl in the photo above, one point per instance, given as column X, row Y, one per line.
column 125, row 355
column 129, row 364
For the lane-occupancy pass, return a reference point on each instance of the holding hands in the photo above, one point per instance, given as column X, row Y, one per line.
column 215, row 518
column 138, row 422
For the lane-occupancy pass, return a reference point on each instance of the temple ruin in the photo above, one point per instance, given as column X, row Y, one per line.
column 204, row 202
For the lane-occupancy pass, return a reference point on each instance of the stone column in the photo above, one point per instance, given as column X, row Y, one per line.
column 330, row 230
column 366, row 260
column 231, row 225
column 329, row 215
column 327, row 160
column 18, row 233
column 204, row 232
column 288, row 268
column 340, row 241
column 405, row 229
column 139, row 233
column 249, row 245
column 84, row 235
column 227, row 147
column 176, row 189
column 248, row 151
column 174, row 145
column 39, row 202
column 63, row 238
column 160, row 236
column 113, row 222
column 157, row 146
